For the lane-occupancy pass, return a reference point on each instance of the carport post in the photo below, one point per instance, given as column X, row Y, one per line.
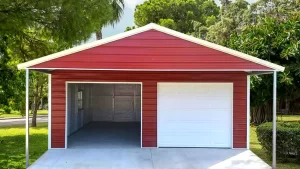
column 27, row 119
column 274, row 119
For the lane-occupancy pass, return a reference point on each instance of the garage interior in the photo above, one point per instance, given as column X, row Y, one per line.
column 101, row 115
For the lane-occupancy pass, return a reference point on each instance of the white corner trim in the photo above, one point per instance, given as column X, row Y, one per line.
column 66, row 115
column 27, row 119
column 49, row 110
column 248, row 112
column 146, row 28
column 141, row 83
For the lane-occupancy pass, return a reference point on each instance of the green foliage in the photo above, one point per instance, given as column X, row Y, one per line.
column 277, row 41
column 113, row 15
column 220, row 32
column 7, row 109
column 233, row 18
column 30, row 29
column 280, row 9
column 211, row 20
column 288, row 139
column 128, row 28
column 175, row 14
column 169, row 23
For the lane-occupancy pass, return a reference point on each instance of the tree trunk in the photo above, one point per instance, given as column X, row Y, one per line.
column 99, row 35
column 38, row 94
column 35, row 104
column 34, row 113
column 261, row 114
column 287, row 106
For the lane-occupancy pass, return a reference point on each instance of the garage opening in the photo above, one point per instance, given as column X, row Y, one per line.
column 102, row 115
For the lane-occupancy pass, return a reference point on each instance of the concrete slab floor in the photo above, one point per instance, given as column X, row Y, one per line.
column 107, row 135
column 149, row 158
column 117, row 146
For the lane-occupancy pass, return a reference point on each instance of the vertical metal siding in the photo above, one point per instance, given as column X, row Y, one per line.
column 58, row 113
column 149, row 107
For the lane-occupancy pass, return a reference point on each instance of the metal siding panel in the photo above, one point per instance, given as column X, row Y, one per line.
column 103, row 108
column 124, row 108
column 124, row 89
column 116, row 102
column 58, row 115
column 151, row 50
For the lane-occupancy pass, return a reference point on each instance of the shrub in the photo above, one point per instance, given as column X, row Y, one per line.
column 288, row 139
column 7, row 109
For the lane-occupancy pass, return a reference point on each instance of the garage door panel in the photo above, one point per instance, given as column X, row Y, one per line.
column 190, row 104
column 195, row 114
column 192, row 126
column 124, row 89
column 193, row 101
column 205, row 141
column 191, row 114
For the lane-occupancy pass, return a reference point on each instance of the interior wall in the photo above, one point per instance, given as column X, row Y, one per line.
column 78, row 118
column 116, row 102
column 103, row 102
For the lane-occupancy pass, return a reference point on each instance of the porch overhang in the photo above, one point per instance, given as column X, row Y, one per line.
column 249, row 72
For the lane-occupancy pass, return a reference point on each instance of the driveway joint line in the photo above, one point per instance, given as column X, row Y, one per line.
column 151, row 158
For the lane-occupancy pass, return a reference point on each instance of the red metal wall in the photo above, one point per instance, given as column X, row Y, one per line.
column 151, row 50
column 149, row 99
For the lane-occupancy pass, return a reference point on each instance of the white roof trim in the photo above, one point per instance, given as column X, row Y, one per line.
column 146, row 28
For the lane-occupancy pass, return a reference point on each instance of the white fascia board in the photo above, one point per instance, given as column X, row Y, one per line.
column 160, row 29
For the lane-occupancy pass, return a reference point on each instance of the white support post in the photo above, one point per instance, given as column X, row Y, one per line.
column 27, row 119
column 248, row 112
column 49, row 110
column 274, row 119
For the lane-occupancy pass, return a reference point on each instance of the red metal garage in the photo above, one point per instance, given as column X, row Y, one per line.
column 153, row 55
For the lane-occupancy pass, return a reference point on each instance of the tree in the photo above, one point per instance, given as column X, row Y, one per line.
column 115, row 11
column 128, row 28
column 280, row 9
column 225, row 2
column 175, row 14
column 6, row 76
column 11, row 85
column 30, row 29
column 233, row 19
column 277, row 41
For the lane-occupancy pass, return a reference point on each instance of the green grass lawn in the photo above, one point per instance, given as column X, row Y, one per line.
column 17, row 114
column 12, row 145
column 288, row 117
column 257, row 149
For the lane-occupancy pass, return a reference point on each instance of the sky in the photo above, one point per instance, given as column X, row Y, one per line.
column 128, row 19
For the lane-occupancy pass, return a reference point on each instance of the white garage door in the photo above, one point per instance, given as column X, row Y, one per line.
column 195, row 114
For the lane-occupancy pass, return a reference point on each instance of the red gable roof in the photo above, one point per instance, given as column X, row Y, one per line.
column 152, row 47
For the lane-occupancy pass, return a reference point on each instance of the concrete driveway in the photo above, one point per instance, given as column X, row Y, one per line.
column 149, row 158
